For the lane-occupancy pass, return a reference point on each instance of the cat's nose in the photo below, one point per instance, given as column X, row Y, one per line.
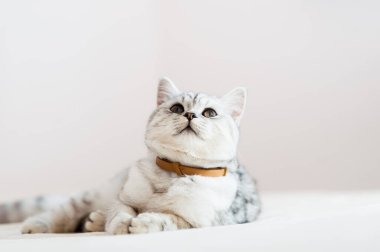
column 190, row 116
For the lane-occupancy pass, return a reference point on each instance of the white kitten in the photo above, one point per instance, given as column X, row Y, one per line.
column 190, row 129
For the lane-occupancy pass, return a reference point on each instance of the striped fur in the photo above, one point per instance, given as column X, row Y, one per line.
column 19, row 210
column 144, row 198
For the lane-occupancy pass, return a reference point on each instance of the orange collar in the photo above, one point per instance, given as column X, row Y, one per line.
column 183, row 170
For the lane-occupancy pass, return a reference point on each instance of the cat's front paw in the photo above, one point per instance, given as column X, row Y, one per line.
column 119, row 224
column 95, row 222
column 35, row 225
column 146, row 223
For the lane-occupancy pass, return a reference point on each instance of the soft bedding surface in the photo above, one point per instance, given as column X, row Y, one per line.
column 290, row 221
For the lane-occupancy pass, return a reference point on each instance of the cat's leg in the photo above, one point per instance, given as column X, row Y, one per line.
column 155, row 222
column 94, row 222
column 64, row 218
column 67, row 216
column 119, row 218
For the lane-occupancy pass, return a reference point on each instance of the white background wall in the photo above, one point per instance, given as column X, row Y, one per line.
column 77, row 84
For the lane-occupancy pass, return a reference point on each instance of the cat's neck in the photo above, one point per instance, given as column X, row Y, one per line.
column 188, row 160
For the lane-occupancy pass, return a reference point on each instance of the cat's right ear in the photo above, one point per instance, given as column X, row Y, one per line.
column 166, row 90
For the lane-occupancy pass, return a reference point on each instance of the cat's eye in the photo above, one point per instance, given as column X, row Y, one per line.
column 177, row 108
column 209, row 112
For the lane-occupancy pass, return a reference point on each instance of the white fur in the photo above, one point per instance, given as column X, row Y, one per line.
column 145, row 198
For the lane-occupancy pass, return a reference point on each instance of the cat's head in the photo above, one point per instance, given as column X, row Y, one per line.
column 195, row 128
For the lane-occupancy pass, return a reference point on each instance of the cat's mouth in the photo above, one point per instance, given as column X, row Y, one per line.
column 189, row 129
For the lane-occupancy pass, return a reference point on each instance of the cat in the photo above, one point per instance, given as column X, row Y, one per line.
column 195, row 133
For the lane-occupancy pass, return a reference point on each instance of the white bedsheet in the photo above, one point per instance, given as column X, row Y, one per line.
column 290, row 221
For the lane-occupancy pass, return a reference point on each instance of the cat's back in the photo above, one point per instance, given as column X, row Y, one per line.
column 246, row 205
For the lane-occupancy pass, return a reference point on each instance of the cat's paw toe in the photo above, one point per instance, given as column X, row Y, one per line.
column 33, row 226
column 146, row 223
column 95, row 222
column 119, row 224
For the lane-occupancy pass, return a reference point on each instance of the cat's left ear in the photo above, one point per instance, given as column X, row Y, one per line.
column 234, row 102
column 166, row 90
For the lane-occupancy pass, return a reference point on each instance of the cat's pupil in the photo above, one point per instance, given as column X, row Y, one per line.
column 177, row 108
column 209, row 112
